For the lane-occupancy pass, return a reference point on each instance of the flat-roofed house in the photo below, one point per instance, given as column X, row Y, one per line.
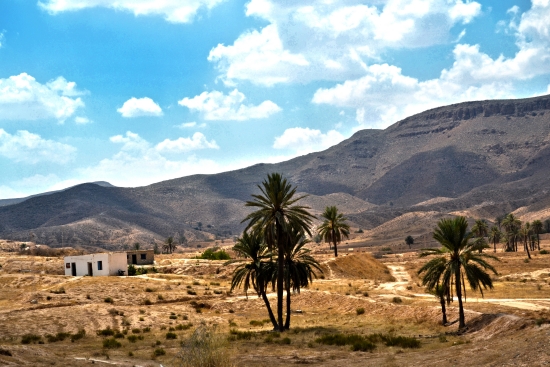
column 100, row 264
column 140, row 257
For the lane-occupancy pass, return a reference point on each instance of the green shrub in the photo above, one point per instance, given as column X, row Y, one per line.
column 119, row 335
column 57, row 337
column 30, row 338
column 132, row 270
column 147, row 302
column 171, row 335
column 246, row 335
column 132, row 338
column 214, row 254
column 136, row 331
column 214, row 283
column 285, row 340
column 173, row 317
column 149, row 290
column 160, row 297
column 184, row 326
column 159, row 352
column 108, row 300
column 106, row 332
column 360, row 311
column 256, row 323
column 216, row 291
column 357, row 342
column 79, row 335
column 111, row 343
column 544, row 252
column 147, row 329
column 400, row 341
column 5, row 352
column 191, row 292
column 397, row 300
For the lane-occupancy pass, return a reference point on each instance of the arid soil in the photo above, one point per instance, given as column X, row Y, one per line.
column 509, row 327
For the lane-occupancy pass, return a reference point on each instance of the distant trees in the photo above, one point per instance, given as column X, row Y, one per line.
column 457, row 261
column 537, row 229
column 169, row 245
column 334, row 227
column 409, row 240
column 495, row 236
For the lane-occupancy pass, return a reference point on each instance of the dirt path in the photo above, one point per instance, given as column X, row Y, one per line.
column 402, row 279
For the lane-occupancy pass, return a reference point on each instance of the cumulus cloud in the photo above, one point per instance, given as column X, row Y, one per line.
column 189, row 125
column 175, row 11
column 137, row 107
column 80, row 120
column 26, row 147
column 219, row 106
column 384, row 95
column 2, row 37
column 318, row 40
column 306, row 140
column 23, row 98
column 138, row 162
column 180, row 145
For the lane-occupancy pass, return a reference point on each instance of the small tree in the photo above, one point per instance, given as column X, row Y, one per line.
column 409, row 241
column 169, row 245
column 333, row 228
column 156, row 249
column 136, row 246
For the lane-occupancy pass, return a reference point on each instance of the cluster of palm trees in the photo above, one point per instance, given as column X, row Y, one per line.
column 459, row 260
column 272, row 246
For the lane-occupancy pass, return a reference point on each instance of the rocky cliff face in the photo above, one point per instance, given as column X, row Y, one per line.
column 483, row 158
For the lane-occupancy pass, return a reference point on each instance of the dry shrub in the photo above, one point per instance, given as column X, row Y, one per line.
column 205, row 348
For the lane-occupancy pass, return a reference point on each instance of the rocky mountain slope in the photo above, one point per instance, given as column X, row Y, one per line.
column 480, row 159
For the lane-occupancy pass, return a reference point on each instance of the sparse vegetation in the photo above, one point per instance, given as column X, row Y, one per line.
column 111, row 343
column 214, row 254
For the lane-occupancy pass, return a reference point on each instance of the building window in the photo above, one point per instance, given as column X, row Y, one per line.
column 100, row 265
column 143, row 256
column 68, row 265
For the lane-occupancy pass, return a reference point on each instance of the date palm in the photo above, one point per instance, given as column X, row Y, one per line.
column 511, row 225
column 275, row 214
column 300, row 267
column 255, row 269
column 460, row 261
column 537, row 229
column 333, row 228
column 432, row 280
column 525, row 233
column 495, row 236
column 169, row 245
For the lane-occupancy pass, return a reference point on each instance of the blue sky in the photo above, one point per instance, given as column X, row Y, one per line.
column 139, row 91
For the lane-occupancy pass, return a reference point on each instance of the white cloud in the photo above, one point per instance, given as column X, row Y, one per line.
column 180, row 145
column 140, row 163
column 188, row 125
column 306, row 140
column 175, row 11
column 82, row 120
column 2, row 37
column 23, row 98
column 329, row 40
column 384, row 95
column 137, row 107
column 26, row 147
column 218, row 106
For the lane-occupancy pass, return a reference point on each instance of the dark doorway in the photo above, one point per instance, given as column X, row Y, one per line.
column 73, row 269
column 134, row 259
column 90, row 270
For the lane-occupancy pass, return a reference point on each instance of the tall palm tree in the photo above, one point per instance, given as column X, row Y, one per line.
column 432, row 280
column 480, row 230
column 169, row 245
column 495, row 236
column 275, row 214
column 537, row 229
column 460, row 259
column 300, row 267
column 525, row 233
column 333, row 228
column 511, row 225
column 255, row 269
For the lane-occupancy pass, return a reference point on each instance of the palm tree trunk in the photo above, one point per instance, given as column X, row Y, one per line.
column 335, row 249
column 495, row 245
column 280, row 275
column 538, row 241
column 287, row 323
column 527, row 248
column 443, row 309
column 271, row 316
column 461, row 319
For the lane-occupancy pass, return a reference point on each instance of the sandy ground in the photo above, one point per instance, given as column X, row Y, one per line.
column 507, row 328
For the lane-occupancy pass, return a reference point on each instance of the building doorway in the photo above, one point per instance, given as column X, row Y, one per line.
column 90, row 270
column 134, row 259
column 73, row 269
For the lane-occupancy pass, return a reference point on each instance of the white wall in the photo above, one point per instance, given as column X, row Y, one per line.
column 111, row 263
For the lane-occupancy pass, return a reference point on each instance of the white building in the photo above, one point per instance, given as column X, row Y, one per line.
column 107, row 263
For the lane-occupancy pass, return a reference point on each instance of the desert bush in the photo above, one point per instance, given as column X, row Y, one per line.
column 115, row 312
column 160, row 297
column 136, row 331
column 400, row 341
column 357, row 342
column 106, row 332
column 360, row 311
column 79, row 335
column 108, row 300
column 111, row 343
column 246, row 335
column 149, row 290
column 159, row 352
column 57, row 337
column 216, row 291
column 285, row 340
column 214, row 283
column 118, row 335
column 173, row 317
column 132, row 270
column 184, row 326
column 397, row 300
column 544, row 252
column 132, row 338
column 256, row 323
column 30, row 338
column 365, row 294
column 205, row 348
column 191, row 292
column 214, row 254
column 147, row 329
column 5, row 352
column 147, row 302
column 171, row 335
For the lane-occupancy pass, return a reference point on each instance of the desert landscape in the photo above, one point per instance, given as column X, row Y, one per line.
column 365, row 291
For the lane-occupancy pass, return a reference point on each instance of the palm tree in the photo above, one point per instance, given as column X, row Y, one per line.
column 169, row 245
column 432, row 280
column 409, row 240
column 537, row 228
column 300, row 267
column 511, row 225
column 255, row 270
column 525, row 233
column 275, row 215
column 333, row 228
column 459, row 257
column 480, row 230
column 495, row 236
